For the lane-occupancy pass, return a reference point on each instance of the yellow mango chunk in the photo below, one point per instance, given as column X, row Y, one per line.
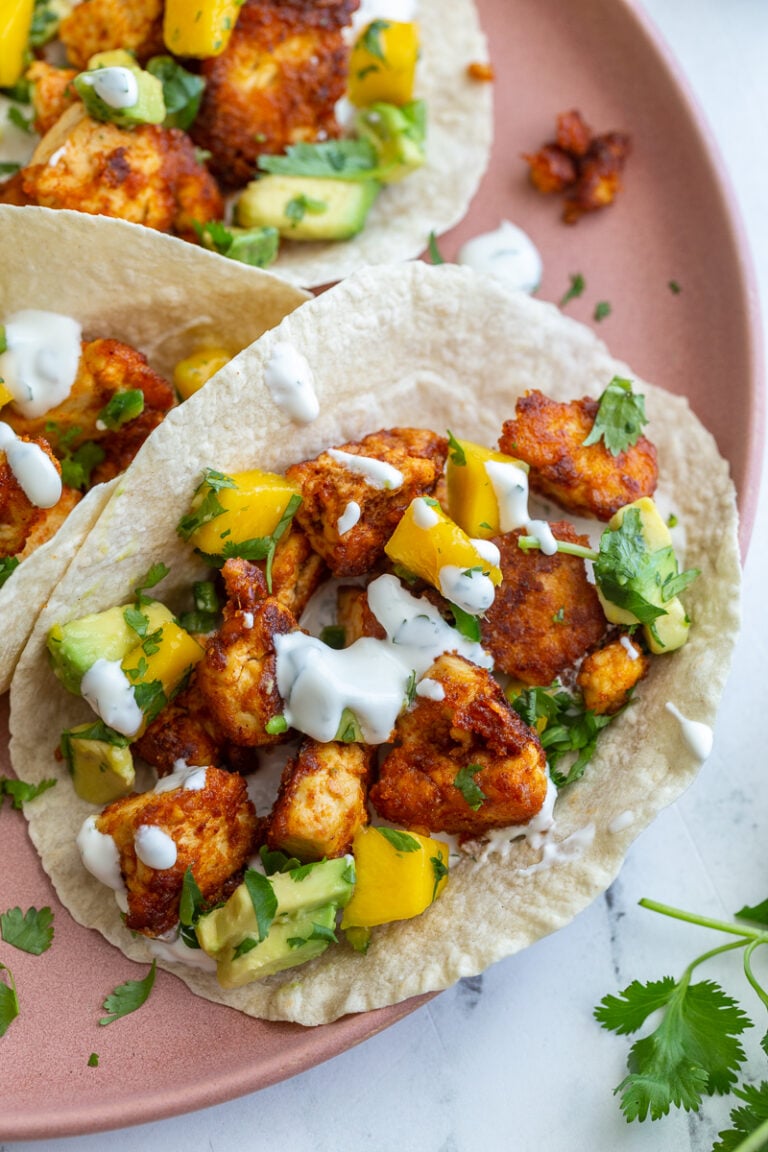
column 399, row 874
column 250, row 510
column 5, row 394
column 200, row 29
column 190, row 374
column 382, row 64
column 427, row 543
column 165, row 657
column 472, row 500
column 15, row 23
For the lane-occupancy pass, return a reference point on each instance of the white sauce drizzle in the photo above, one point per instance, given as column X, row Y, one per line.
column 348, row 518
column 57, row 155
column 39, row 366
column 110, row 693
column 424, row 516
column 470, row 590
column 563, row 851
column 507, row 255
column 291, row 383
column 430, row 689
column 171, row 948
column 116, row 86
column 99, row 854
column 622, row 821
column 510, row 486
column 629, row 647
column 541, row 531
column 35, row 472
column 488, row 551
column 377, row 473
column 699, row 737
column 191, row 779
column 154, row 847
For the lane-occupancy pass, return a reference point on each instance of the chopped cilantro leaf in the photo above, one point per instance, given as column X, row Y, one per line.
column 320, row 932
column 297, row 208
column 410, row 689
column 9, row 168
column 93, row 1060
column 758, row 914
column 122, row 407
column 456, row 452
column 150, row 698
column 435, row 254
column 20, row 792
column 3, row 340
column 602, row 310
column 440, row 870
column 137, row 620
column 263, row 899
column 17, row 117
column 334, row 636
column 8, row 564
column 205, row 506
column 674, row 287
column 564, row 727
column 245, row 946
column 620, row 417
column 277, row 861
column 465, row 781
column 182, row 91
column 150, row 578
column 30, row 931
column 300, row 872
column 371, row 39
column 77, row 466
column 127, row 997
column 9, row 1001
column 400, row 841
column 465, row 623
column 578, row 284
column 350, row 159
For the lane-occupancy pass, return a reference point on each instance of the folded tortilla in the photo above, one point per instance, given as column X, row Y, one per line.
column 433, row 347
column 156, row 293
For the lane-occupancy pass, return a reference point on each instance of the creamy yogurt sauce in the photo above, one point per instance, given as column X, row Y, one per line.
column 190, row 778
column 510, row 487
column 39, row 365
column 507, row 254
column 563, row 851
column 100, row 855
column 171, row 947
column 291, row 383
column 699, row 737
column 470, row 590
column 116, row 86
column 154, row 847
column 375, row 472
column 348, row 518
column 541, row 531
column 424, row 515
column 488, row 551
column 110, row 693
column 629, row 647
column 430, row 689
column 35, row 472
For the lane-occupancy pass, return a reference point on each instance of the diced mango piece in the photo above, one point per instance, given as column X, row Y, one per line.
column 472, row 500
column 200, row 29
column 250, row 510
column 5, row 394
column 382, row 64
column 165, row 657
column 399, row 874
column 15, row 24
column 190, row 374
column 426, row 540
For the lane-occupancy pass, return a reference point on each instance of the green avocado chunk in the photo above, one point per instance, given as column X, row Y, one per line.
column 120, row 91
column 307, row 207
column 398, row 135
column 100, row 761
column 107, row 635
column 307, row 899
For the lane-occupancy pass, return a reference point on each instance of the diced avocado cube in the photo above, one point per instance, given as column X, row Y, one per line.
column 75, row 646
column 398, row 135
column 307, row 208
column 100, row 762
column 289, row 942
column 123, row 94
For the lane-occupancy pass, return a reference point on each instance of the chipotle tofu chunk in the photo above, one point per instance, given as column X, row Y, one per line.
column 237, row 676
column 338, row 479
column 322, row 800
column 146, row 175
column 472, row 736
column 51, row 92
column 545, row 614
column 276, row 83
column 213, row 829
column 608, row 675
column 50, row 520
column 183, row 730
column 297, row 571
column 101, row 25
column 549, row 436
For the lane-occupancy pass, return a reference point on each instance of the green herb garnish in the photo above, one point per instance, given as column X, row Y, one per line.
column 122, row 407
column 263, row 899
column 20, row 792
column 127, row 997
column 30, row 931
column 400, row 841
column 620, row 417
column 9, row 1001
column 578, row 284
column 464, row 780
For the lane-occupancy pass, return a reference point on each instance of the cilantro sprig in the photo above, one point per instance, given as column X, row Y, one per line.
column 695, row 1050
column 127, row 997
column 620, row 417
column 30, row 931
column 20, row 792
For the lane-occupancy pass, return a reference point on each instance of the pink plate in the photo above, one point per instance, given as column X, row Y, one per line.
column 675, row 221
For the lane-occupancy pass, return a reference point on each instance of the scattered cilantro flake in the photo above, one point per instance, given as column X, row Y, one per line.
column 192, row 905
column 674, row 287
column 137, row 620
column 208, row 506
column 297, row 208
column 464, row 780
column 435, row 255
column 77, row 465
column 127, row 997
column 9, row 1001
column 400, row 841
column 256, row 247
column 245, row 946
column 672, row 520
column 620, row 417
column 602, row 310
column 156, row 573
column 122, row 407
column 320, row 932
column 9, row 168
column 20, row 792
column 182, row 91
column 465, row 623
column 277, row 861
column 440, row 870
column 334, row 636
column 456, row 452
column 263, row 898
column 93, row 1060
column 301, row 871
column 30, row 931
column 150, row 698
column 559, row 616
column 8, row 564
column 578, row 284
column 371, row 39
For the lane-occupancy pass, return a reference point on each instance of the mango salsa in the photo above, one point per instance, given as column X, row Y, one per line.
column 471, row 498
column 15, row 23
column 382, row 63
column 164, row 657
column 190, row 374
column 426, row 541
column 399, row 874
column 251, row 506
column 201, row 28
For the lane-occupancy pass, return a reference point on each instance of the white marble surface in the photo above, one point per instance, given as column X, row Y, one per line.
column 513, row 1059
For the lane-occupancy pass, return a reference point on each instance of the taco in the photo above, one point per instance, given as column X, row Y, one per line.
column 405, row 349
column 169, row 302
column 301, row 119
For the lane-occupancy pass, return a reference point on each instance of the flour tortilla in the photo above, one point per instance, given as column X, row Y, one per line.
column 162, row 296
column 434, row 347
